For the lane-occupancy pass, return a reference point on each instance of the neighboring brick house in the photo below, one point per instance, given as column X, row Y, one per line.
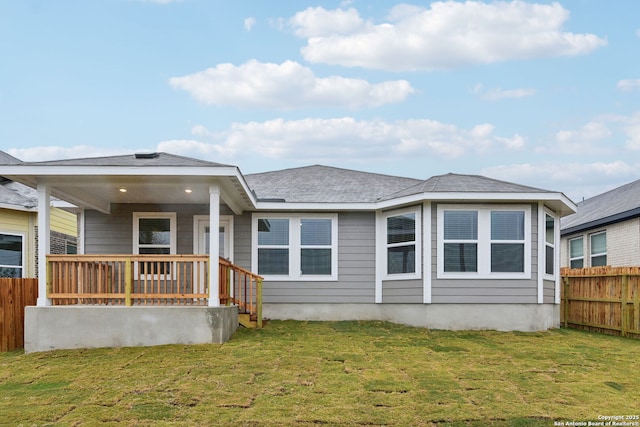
column 604, row 231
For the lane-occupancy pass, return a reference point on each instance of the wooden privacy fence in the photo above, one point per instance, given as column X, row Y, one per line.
column 602, row 299
column 15, row 294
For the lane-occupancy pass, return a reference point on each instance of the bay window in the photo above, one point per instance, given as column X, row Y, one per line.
column 300, row 247
column 402, row 243
column 549, row 245
column 484, row 241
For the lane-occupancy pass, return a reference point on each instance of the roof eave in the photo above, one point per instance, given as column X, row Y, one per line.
column 601, row 222
column 557, row 201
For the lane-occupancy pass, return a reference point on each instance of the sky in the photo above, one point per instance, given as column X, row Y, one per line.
column 538, row 93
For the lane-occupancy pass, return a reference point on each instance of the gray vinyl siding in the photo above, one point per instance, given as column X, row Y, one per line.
column 549, row 292
column 113, row 233
column 488, row 291
column 242, row 240
column 402, row 291
column 356, row 268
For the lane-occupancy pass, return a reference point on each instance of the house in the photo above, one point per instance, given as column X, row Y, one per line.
column 18, row 219
column 605, row 230
column 450, row 252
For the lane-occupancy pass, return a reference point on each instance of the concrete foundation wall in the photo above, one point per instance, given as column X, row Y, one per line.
column 53, row 328
column 501, row 317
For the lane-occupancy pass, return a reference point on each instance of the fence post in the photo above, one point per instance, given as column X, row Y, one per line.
column 565, row 298
column 623, row 300
column 228, row 290
column 128, row 282
column 259, row 302
column 49, row 278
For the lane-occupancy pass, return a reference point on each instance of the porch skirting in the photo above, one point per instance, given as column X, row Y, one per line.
column 66, row 327
column 501, row 317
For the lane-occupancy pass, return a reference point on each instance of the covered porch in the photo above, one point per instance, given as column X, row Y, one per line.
column 128, row 263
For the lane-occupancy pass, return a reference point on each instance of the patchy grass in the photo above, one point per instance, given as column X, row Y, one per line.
column 331, row 373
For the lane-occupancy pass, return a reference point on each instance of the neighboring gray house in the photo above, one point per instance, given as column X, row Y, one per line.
column 450, row 252
column 605, row 230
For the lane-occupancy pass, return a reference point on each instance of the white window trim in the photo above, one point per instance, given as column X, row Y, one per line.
column 569, row 251
column 295, row 247
column 555, row 245
column 592, row 255
column 173, row 234
column 22, row 252
column 484, row 242
column 417, row 210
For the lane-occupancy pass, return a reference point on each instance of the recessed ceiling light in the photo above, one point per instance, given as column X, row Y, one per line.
column 188, row 191
column 122, row 190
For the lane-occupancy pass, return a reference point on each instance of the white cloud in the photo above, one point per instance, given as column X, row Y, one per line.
column 447, row 34
column 316, row 139
column 249, row 23
column 496, row 94
column 576, row 180
column 632, row 130
column 318, row 22
column 590, row 139
column 628, row 85
column 285, row 86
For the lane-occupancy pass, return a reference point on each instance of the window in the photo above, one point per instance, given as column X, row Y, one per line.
column 154, row 234
column 401, row 243
column 460, row 241
column 576, row 252
column 71, row 248
column 302, row 247
column 598, row 249
column 273, row 246
column 475, row 241
column 549, row 245
column 11, row 255
column 315, row 243
column 507, row 242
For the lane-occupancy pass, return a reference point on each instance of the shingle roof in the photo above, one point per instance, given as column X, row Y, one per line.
column 325, row 184
column 455, row 183
column 615, row 205
column 16, row 194
column 8, row 159
column 146, row 159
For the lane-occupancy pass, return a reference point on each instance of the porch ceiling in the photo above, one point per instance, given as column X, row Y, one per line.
column 100, row 191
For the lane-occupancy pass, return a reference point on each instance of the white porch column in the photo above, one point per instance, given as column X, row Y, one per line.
column 44, row 238
column 214, row 245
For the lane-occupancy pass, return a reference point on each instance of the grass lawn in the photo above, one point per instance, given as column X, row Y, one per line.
column 331, row 373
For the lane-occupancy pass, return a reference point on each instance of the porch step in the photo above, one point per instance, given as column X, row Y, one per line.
column 246, row 321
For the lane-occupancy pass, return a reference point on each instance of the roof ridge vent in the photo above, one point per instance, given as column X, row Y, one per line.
column 147, row 155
